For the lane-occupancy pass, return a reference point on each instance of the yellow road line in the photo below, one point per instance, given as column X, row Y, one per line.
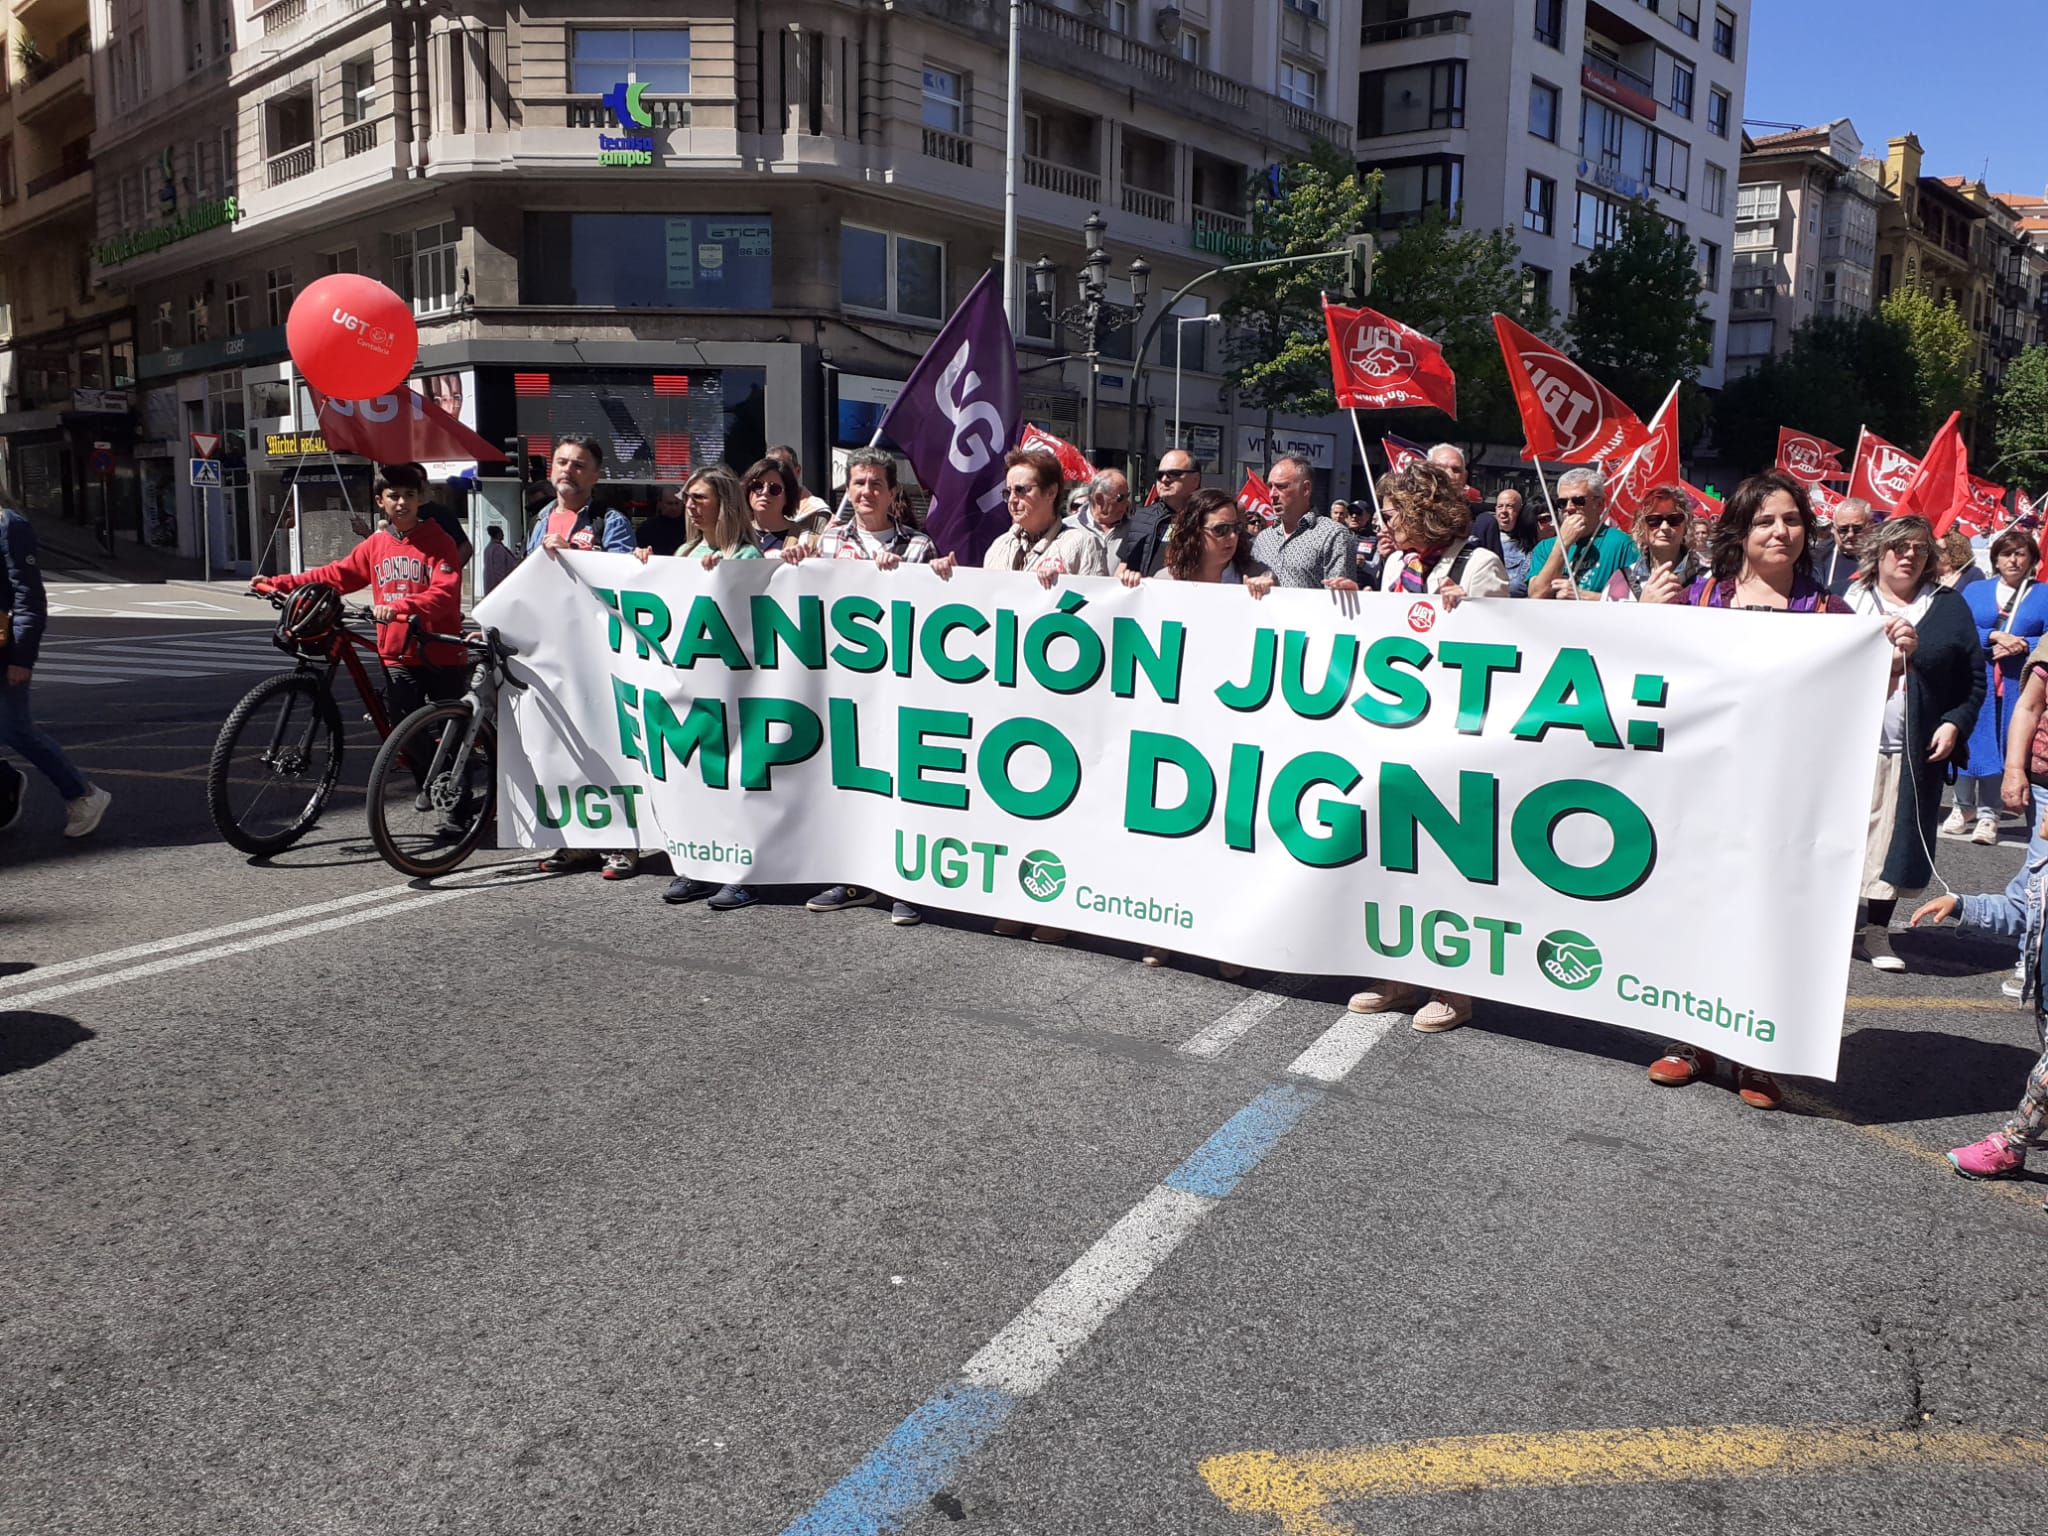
column 1299, row 1489
column 1980, row 1005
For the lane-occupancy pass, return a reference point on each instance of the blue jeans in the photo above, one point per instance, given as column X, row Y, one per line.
column 18, row 733
column 2016, row 889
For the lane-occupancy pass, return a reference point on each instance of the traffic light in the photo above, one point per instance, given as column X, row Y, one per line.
column 515, row 449
column 1358, row 255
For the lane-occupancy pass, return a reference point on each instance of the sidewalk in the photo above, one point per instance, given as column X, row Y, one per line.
column 73, row 544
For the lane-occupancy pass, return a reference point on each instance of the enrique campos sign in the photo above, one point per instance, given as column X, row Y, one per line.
column 1574, row 807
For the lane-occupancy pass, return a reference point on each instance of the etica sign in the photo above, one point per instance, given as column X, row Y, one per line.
column 628, row 147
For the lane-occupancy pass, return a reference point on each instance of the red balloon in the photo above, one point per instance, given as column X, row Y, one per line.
column 352, row 337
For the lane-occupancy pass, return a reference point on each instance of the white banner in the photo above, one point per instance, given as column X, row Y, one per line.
column 1649, row 816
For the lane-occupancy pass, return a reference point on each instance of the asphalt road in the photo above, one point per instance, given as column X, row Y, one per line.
column 530, row 1204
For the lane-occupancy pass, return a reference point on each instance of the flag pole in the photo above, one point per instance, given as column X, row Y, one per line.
column 1012, row 137
column 1358, row 429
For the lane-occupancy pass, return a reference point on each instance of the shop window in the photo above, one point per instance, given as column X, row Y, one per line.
column 647, row 260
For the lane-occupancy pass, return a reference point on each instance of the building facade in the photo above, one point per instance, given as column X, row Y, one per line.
column 1544, row 118
column 815, row 185
column 1806, row 222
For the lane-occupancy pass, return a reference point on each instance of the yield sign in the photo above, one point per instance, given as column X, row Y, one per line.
column 204, row 444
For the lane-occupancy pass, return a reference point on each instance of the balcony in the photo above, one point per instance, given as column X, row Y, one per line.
column 1065, row 180
column 356, row 139
column 1617, row 83
column 1149, row 205
column 1415, row 26
column 666, row 112
column 948, row 147
column 53, row 84
column 301, row 160
column 274, row 18
column 1222, row 234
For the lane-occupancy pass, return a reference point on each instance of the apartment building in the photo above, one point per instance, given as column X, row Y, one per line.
column 1547, row 117
column 815, row 185
column 1806, row 221
column 66, row 348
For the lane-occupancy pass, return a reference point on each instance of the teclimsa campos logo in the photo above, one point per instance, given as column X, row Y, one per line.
column 1568, row 959
column 1042, row 875
column 630, row 147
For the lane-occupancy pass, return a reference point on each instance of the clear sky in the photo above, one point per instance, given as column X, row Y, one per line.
column 1959, row 73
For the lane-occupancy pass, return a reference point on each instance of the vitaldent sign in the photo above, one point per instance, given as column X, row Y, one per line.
column 629, row 147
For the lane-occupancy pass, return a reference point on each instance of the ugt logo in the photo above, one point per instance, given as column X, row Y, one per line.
column 1566, row 395
column 1892, row 472
column 970, row 450
column 1804, row 460
column 624, row 100
column 1376, row 352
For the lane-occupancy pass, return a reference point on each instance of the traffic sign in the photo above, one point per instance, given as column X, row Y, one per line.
column 101, row 463
column 204, row 445
column 206, row 471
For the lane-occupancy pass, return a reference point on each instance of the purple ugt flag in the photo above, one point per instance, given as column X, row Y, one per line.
column 956, row 418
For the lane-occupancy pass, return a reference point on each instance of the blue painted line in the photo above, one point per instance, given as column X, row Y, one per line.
column 1215, row 1167
column 919, row 1458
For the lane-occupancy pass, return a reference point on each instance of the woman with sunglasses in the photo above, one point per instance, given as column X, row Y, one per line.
column 774, row 496
column 1663, row 534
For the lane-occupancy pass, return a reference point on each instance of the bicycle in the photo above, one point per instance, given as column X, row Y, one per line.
column 282, row 742
column 434, row 786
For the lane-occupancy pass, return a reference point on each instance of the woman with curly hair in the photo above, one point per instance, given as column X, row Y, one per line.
column 1431, row 523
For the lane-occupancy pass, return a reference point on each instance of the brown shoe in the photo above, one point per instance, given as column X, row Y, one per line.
column 1759, row 1090
column 1044, row 934
column 1444, row 1010
column 1383, row 997
column 1680, row 1065
column 1228, row 971
column 1008, row 927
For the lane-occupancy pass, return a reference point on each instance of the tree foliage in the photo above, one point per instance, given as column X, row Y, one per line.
column 1278, row 348
column 1447, row 283
column 1939, row 343
column 2023, row 419
column 1834, row 377
column 1638, row 324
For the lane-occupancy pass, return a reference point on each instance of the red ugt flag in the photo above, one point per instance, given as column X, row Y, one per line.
column 1073, row 463
column 1940, row 488
column 1378, row 364
column 1806, row 458
column 1401, row 453
column 1652, row 465
column 1881, row 472
column 1987, row 506
column 1256, row 500
column 1569, row 418
column 398, row 428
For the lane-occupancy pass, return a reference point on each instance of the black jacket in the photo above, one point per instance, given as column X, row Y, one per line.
column 1944, row 686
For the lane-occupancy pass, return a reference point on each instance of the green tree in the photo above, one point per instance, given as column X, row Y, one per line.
column 1278, row 347
column 1447, row 283
column 1834, row 377
column 2023, row 419
column 1637, row 323
column 1940, row 345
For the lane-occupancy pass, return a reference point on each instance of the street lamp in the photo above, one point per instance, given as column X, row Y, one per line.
column 1180, row 322
column 1094, row 317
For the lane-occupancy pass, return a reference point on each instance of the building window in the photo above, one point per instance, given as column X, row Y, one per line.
column 1599, row 221
column 1550, row 23
column 1713, row 190
column 944, row 100
column 7, row 186
column 1539, row 204
column 1681, row 88
column 277, row 294
column 1827, row 288
column 891, row 274
column 1422, row 96
column 433, row 267
column 1304, row 86
column 166, row 325
column 1535, row 290
column 138, row 61
column 1724, row 32
column 1806, row 284
column 1037, row 312
column 1710, row 266
column 1543, row 109
column 1313, row 9
column 1119, row 17
column 658, row 58
column 1689, row 17
column 237, row 315
column 1758, row 200
column 1717, row 112
column 643, row 260
column 205, row 168
column 343, row 260
column 1409, row 186
column 198, row 326
column 1673, row 169
column 195, row 36
column 358, row 88
column 1194, row 46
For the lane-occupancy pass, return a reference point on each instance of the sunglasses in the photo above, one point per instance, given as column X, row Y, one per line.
column 767, row 488
column 1175, row 474
column 1573, row 501
column 1665, row 520
column 1022, row 492
column 1224, row 530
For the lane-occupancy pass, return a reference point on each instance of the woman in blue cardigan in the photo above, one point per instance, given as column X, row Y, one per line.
column 2011, row 614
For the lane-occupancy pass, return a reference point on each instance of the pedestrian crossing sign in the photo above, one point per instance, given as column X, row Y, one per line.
column 206, row 472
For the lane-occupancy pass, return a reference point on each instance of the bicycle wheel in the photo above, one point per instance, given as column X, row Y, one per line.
column 274, row 763
column 427, row 811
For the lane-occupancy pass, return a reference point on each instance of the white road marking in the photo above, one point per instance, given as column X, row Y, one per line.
column 1233, row 1026
column 1342, row 1046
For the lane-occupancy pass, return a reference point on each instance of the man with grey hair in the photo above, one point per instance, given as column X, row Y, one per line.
column 1109, row 518
column 1304, row 549
column 1838, row 567
column 1485, row 532
column 1588, row 550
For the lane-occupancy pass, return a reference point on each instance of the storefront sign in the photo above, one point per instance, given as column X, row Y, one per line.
column 293, row 445
column 231, row 351
column 1200, row 438
column 106, row 401
column 1256, row 446
column 140, row 242
column 630, row 147
column 1609, row 88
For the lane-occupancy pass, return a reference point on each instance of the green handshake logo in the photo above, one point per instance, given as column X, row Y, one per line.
column 1042, row 875
column 1569, row 960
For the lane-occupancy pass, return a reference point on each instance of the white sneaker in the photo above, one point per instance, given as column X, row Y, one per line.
column 1987, row 830
column 2015, row 985
column 82, row 816
column 1956, row 822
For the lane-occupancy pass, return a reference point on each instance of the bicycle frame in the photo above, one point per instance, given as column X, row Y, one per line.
column 481, row 700
column 344, row 647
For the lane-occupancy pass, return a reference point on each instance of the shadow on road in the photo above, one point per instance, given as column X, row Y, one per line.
column 1896, row 1075
column 30, row 1040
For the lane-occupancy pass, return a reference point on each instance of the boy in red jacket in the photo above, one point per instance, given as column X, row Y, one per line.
column 411, row 569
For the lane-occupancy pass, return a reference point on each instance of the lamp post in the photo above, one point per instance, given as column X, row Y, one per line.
column 1093, row 317
column 1180, row 323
